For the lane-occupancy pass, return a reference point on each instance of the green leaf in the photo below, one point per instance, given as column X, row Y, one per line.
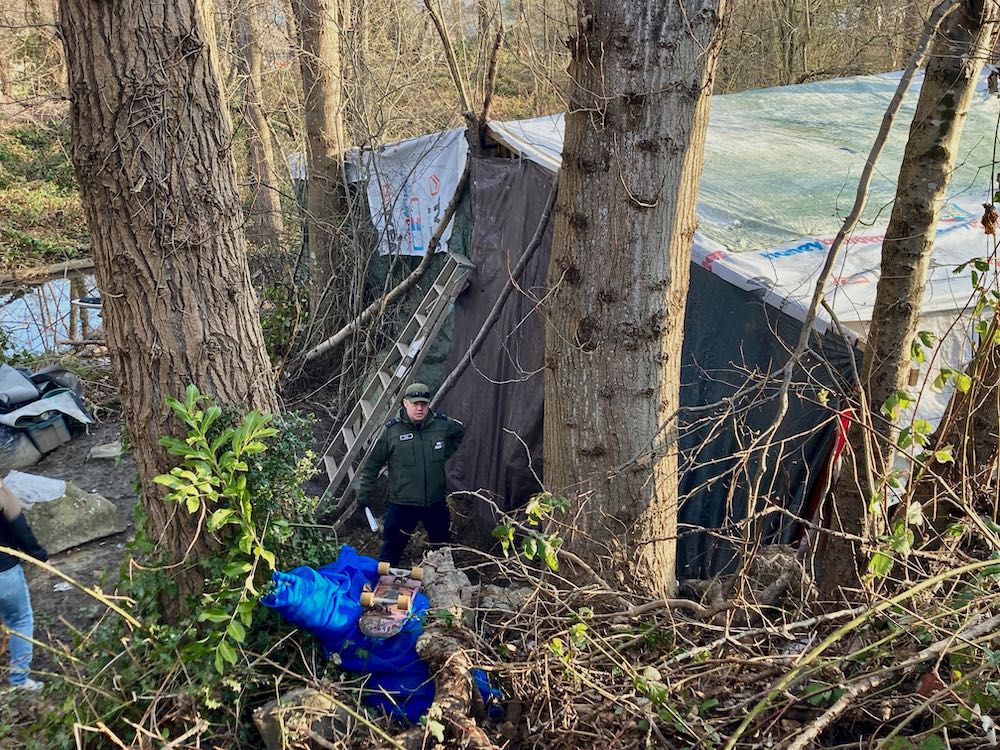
column 504, row 532
column 436, row 728
column 943, row 456
column 875, row 501
column 915, row 514
column 530, row 547
column 220, row 518
column 168, row 480
column 245, row 611
column 880, row 565
column 824, row 397
column 268, row 557
column 943, row 376
column 220, row 665
column 895, row 404
column 549, row 554
column 962, row 382
column 901, row 540
column 236, row 631
column 905, row 439
column 212, row 413
column 927, row 338
column 191, row 397
column 234, row 569
column 707, row 705
column 214, row 615
column 227, row 651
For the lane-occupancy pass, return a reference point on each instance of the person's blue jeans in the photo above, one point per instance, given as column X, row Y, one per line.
column 15, row 611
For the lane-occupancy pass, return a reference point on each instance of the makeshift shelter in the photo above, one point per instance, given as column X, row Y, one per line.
column 781, row 169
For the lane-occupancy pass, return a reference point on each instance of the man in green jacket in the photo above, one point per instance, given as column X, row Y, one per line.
column 414, row 445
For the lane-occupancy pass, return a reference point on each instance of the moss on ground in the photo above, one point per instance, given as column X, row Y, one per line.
column 41, row 219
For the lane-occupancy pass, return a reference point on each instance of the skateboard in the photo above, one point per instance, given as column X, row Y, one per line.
column 387, row 607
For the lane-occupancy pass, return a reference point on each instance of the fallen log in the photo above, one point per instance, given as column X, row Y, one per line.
column 446, row 645
column 36, row 273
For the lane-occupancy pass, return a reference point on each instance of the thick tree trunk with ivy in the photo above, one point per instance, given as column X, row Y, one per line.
column 957, row 57
column 319, row 31
column 151, row 144
column 619, row 272
column 265, row 223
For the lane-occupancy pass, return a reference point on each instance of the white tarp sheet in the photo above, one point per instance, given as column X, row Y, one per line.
column 409, row 186
column 781, row 169
column 33, row 488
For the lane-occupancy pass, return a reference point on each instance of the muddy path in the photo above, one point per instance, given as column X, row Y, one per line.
column 59, row 608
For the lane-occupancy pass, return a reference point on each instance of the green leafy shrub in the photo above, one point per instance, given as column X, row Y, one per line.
column 222, row 658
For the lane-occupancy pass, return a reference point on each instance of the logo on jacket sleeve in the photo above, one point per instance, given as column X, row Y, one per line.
column 406, row 436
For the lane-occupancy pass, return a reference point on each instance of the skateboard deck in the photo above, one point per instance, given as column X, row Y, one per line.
column 387, row 607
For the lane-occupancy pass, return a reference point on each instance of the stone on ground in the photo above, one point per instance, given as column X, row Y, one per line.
column 75, row 518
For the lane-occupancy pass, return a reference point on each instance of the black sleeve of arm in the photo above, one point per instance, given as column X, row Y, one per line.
column 456, row 431
column 364, row 481
column 25, row 538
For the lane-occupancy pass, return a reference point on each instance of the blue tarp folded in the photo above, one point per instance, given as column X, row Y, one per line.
column 326, row 602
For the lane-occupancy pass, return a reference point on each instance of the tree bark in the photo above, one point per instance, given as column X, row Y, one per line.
column 971, row 426
column 265, row 223
column 151, row 145
column 950, row 78
column 319, row 30
column 621, row 249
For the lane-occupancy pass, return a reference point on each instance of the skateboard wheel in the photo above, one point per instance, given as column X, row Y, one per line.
column 417, row 573
column 383, row 568
column 403, row 601
column 367, row 598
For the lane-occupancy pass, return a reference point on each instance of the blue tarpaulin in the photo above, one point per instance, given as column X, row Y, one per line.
column 326, row 602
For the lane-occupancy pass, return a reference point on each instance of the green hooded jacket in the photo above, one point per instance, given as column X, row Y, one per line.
column 415, row 455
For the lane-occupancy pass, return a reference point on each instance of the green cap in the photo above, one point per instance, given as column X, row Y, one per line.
column 417, row 393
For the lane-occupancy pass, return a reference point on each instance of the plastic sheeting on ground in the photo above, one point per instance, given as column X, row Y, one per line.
column 326, row 602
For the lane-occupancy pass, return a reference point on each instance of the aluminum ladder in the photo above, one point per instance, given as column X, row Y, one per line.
column 354, row 440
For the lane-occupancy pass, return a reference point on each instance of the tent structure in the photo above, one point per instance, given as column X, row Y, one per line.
column 781, row 169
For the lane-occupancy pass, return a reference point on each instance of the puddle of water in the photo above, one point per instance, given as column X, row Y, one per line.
column 39, row 318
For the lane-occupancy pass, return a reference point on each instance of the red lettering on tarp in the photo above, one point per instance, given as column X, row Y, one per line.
column 713, row 256
column 845, row 280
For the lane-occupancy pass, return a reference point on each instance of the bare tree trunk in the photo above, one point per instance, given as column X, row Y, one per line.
column 319, row 30
column 621, row 250
column 265, row 220
column 151, row 144
column 950, row 79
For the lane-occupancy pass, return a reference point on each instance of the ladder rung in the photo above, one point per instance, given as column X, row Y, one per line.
column 366, row 408
column 385, row 378
column 331, row 466
column 403, row 348
column 439, row 288
column 421, row 319
column 349, row 436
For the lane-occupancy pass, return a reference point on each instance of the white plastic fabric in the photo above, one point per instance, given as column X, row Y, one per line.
column 781, row 170
column 33, row 488
column 409, row 186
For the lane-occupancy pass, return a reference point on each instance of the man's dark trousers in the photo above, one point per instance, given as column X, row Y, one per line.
column 401, row 521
